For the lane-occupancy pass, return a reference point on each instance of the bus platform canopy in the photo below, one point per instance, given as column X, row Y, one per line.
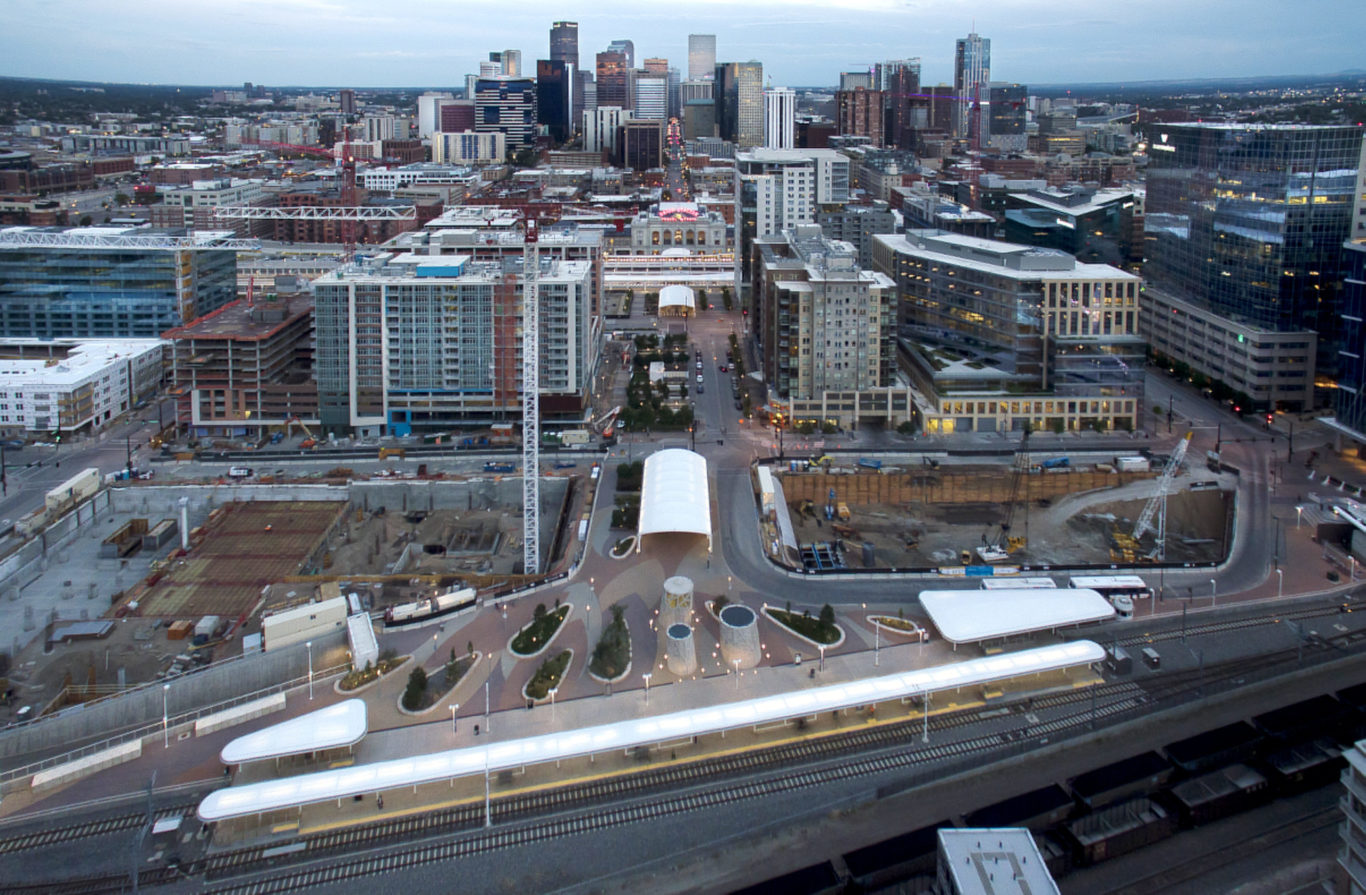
column 968, row 616
column 674, row 496
column 334, row 727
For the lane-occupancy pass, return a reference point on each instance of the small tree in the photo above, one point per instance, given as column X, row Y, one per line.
column 827, row 617
column 469, row 650
column 417, row 687
column 540, row 611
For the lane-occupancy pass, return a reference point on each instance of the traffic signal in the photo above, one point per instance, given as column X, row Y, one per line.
column 57, row 436
column 1269, row 418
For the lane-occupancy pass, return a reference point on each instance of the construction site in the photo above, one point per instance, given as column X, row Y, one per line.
column 1080, row 514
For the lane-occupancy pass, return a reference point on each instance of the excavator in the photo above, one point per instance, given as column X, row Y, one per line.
column 1005, row 543
column 309, row 441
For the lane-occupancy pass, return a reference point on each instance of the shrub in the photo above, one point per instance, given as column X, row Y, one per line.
column 417, row 687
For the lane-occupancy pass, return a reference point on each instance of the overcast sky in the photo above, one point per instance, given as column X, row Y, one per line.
column 800, row 42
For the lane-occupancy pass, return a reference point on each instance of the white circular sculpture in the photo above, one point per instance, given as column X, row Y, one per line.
column 739, row 637
column 680, row 651
column 677, row 604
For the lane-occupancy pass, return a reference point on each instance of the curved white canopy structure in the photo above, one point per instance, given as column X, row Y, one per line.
column 324, row 786
column 674, row 495
column 677, row 300
column 967, row 616
column 342, row 724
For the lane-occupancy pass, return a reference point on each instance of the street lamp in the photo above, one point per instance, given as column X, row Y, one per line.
column 455, row 707
column 1299, row 515
column 1280, row 582
column 488, row 726
column 165, row 716
column 646, row 675
column 822, row 649
column 736, row 663
column 925, row 733
column 309, row 644
column 553, row 690
column 1213, row 592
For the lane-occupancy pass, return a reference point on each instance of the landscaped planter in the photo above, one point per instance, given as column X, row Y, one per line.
column 565, row 608
column 558, row 683
column 777, row 617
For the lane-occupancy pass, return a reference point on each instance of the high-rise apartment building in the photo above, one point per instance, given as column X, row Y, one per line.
column 859, row 112
column 739, row 95
column 971, row 81
column 111, row 282
column 1004, row 336
column 429, row 342
column 429, row 112
column 553, row 107
column 899, row 81
column 346, row 101
column 1248, row 222
column 701, row 57
column 852, row 80
column 826, row 327
column 776, row 189
column 614, row 80
column 780, row 118
column 507, row 105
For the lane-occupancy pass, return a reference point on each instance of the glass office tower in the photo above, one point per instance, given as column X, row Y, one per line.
column 1249, row 220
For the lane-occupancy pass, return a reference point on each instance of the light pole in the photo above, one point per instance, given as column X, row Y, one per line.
column 1280, row 582
column 1213, row 592
column 822, row 649
column 925, row 732
column 165, row 716
column 488, row 725
column 736, row 663
column 646, row 675
column 1299, row 515
column 455, row 707
column 552, row 704
column 309, row 644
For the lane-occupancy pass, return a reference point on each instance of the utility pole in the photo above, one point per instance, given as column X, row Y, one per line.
column 128, row 443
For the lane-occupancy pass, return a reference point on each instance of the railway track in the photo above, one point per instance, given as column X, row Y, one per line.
column 1224, row 627
column 535, row 816
column 90, row 829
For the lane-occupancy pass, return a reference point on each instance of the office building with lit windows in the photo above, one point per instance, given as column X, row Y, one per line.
column 1248, row 221
column 739, row 95
column 1003, row 336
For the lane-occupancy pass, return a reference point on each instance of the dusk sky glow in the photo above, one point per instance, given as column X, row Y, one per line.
column 800, row 42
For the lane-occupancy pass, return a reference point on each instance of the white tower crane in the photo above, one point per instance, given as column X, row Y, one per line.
column 531, row 405
column 1157, row 504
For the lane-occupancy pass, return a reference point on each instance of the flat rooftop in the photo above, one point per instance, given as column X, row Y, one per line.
column 995, row 862
column 239, row 321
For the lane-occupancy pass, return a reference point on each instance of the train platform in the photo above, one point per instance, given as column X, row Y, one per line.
column 437, row 735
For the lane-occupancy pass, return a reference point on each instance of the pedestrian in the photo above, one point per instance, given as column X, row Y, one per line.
column 379, row 801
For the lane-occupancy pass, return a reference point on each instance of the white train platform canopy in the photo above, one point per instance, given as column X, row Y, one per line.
column 342, row 724
column 674, row 496
column 341, row 783
column 967, row 616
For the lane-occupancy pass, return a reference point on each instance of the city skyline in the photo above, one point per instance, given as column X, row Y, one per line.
column 800, row 42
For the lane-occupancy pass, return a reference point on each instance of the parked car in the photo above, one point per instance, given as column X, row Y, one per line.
column 239, row 472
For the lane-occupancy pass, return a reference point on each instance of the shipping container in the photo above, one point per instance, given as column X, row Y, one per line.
column 1132, row 464
column 75, row 489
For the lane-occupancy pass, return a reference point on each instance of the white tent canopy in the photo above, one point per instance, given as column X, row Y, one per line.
column 674, row 495
column 340, row 724
column 677, row 299
column 967, row 616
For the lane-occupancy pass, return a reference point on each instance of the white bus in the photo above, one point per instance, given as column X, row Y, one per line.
column 1018, row 584
column 1111, row 586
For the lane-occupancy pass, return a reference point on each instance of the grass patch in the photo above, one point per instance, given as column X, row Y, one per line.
column 817, row 629
column 613, row 653
column 542, row 628
column 548, row 676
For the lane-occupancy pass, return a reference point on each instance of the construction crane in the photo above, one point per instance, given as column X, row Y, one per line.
column 1005, row 544
column 531, row 400
column 1157, row 504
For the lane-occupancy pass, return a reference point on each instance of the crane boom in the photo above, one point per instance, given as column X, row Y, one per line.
column 1159, row 499
column 531, row 404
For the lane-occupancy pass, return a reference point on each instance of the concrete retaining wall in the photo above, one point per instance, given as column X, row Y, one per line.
column 239, row 714
column 84, row 767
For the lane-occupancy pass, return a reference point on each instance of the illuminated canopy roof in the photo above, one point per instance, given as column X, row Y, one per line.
column 967, row 616
column 336, row 726
column 324, row 786
column 677, row 297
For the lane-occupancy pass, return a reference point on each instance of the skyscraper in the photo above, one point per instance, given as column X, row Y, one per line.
column 1005, row 117
column 614, row 80
column 506, row 105
column 650, row 95
column 780, row 117
column 860, row 113
column 564, row 43
column 552, row 97
column 971, row 78
column 626, row 48
column 739, row 95
column 899, row 81
column 701, row 56
column 564, row 47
